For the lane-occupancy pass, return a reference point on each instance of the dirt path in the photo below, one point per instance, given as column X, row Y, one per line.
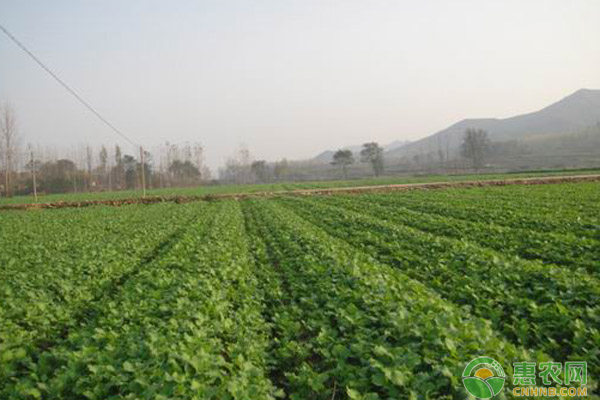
column 308, row 192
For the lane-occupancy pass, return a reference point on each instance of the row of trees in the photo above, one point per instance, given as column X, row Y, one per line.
column 475, row 147
column 104, row 168
column 8, row 145
column 92, row 169
column 371, row 153
column 64, row 175
column 242, row 168
column 100, row 171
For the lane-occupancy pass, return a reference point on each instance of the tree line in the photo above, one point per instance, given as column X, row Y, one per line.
column 242, row 168
column 371, row 153
column 475, row 147
column 169, row 165
column 91, row 168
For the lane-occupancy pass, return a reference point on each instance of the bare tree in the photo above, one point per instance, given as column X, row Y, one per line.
column 238, row 168
column 260, row 169
column 343, row 158
column 475, row 146
column 88, row 163
column 230, row 172
column 280, row 169
column 103, row 158
column 205, row 173
column 8, row 147
column 198, row 151
column 245, row 160
column 119, row 169
column 186, row 152
column 171, row 154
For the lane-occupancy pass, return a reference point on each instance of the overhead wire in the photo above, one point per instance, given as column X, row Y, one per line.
column 85, row 103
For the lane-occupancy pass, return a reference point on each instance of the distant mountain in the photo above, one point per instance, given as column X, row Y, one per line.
column 395, row 145
column 327, row 155
column 567, row 116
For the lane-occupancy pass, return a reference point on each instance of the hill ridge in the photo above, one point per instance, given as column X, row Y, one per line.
column 565, row 116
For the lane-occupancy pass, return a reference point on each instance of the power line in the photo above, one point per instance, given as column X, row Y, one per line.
column 67, row 87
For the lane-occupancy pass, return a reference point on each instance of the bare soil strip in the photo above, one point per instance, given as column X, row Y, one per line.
column 308, row 192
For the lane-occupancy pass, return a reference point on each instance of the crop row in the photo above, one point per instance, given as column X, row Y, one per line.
column 351, row 324
column 568, row 200
column 564, row 249
column 375, row 296
column 188, row 325
column 534, row 305
column 535, row 213
column 54, row 268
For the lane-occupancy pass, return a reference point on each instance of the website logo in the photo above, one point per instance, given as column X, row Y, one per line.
column 483, row 377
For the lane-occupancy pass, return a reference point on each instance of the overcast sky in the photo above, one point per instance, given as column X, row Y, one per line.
column 289, row 78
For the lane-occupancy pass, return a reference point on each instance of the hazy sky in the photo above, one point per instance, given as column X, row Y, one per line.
column 289, row 78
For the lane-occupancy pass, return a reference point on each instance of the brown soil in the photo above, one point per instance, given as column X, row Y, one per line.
column 307, row 192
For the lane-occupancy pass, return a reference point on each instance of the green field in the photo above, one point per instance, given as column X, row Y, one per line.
column 370, row 296
column 278, row 187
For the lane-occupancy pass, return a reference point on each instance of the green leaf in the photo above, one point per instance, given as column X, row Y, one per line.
column 353, row 394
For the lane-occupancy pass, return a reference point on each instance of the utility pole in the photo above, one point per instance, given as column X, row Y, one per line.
column 143, row 173
column 109, row 177
column 33, row 174
column 160, row 174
